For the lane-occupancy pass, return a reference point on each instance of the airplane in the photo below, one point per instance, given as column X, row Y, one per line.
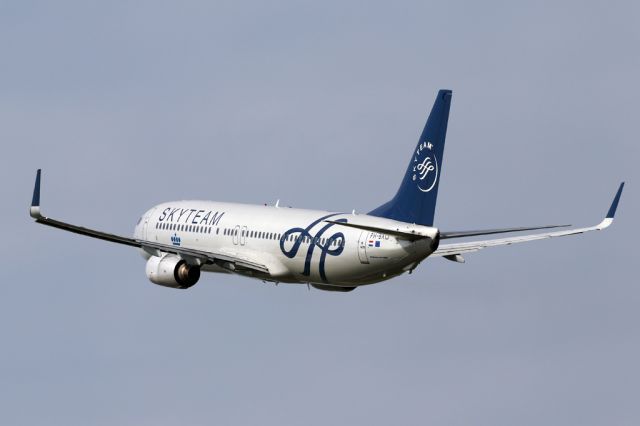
column 332, row 251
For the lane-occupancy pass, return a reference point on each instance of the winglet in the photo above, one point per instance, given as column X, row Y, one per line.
column 608, row 220
column 34, row 210
column 614, row 205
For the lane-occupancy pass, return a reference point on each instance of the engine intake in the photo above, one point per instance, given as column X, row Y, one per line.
column 172, row 271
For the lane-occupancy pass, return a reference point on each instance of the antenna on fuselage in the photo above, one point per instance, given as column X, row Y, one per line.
column 278, row 203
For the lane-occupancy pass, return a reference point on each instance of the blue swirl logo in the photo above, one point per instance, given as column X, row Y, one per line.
column 302, row 235
column 425, row 170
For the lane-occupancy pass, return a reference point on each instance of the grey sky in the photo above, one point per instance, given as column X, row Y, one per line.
column 320, row 104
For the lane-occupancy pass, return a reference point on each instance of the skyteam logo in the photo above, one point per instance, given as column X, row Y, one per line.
column 175, row 240
column 425, row 167
column 328, row 245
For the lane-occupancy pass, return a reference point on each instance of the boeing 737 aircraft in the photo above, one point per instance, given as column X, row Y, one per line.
column 329, row 250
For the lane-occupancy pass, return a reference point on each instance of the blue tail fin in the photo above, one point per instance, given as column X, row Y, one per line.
column 415, row 201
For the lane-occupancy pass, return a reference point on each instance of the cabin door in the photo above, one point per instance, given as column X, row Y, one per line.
column 362, row 247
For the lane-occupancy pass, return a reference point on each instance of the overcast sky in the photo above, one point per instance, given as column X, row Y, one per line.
column 319, row 104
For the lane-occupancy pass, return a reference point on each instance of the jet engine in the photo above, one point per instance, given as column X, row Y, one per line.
column 172, row 271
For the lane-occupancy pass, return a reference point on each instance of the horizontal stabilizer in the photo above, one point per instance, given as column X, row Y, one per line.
column 411, row 233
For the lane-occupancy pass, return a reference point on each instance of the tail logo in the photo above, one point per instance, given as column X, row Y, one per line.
column 425, row 168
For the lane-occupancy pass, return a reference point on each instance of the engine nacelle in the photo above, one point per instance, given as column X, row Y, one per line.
column 172, row 271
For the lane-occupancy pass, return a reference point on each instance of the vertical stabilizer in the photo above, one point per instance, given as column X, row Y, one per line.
column 415, row 201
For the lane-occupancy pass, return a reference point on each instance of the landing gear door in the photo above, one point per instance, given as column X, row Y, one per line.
column 362, row 247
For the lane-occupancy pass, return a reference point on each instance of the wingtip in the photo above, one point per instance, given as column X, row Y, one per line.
column 34, row 210
column 614, row 205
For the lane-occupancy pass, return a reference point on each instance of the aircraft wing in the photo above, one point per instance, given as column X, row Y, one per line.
column 453, row 251
column 192, row 256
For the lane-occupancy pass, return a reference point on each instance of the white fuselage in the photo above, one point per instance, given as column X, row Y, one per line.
column 296, row 245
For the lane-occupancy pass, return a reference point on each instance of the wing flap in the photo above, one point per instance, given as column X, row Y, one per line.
column 462, row 234
column 238, row 261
